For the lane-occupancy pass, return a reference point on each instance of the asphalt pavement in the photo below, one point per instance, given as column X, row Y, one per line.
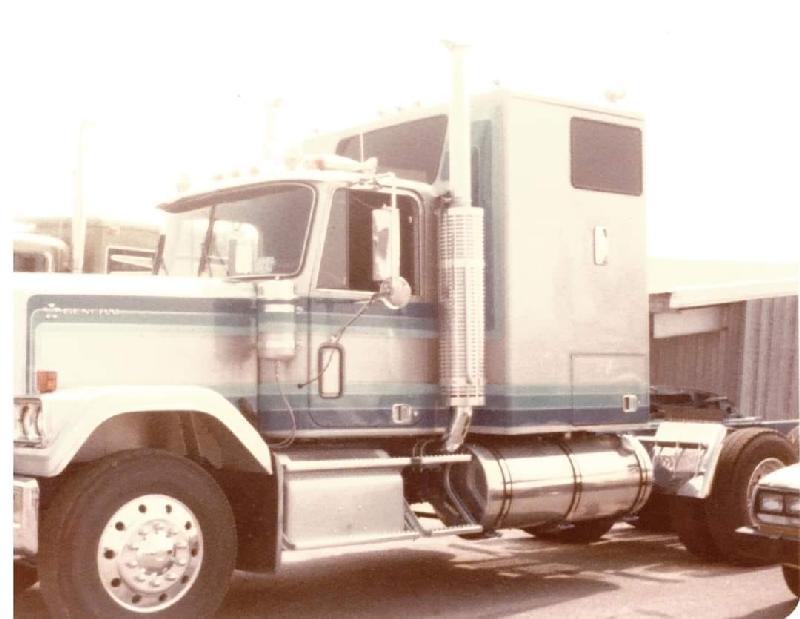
column 628, row 573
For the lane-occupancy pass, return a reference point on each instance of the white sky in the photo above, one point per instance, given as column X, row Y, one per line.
column 174, row 88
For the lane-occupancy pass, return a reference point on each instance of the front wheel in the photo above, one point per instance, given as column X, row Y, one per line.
column 25, row 576
column 139, row 532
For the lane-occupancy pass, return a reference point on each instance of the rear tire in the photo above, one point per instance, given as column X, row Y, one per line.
column 747, row 455
column 141, row 532
column 690, row 522
column 584, row 532
column 791, row 574
column 655, row 515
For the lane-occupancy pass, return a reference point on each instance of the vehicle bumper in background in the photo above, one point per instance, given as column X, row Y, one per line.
column 26, row 516
column 773, row 548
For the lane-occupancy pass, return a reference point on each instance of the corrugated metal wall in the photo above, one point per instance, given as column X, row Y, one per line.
column 769, row 360
column 753, row 359
column 706, row 361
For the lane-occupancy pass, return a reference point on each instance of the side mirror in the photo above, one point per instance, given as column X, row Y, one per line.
column 385, row 243
column 395, row 292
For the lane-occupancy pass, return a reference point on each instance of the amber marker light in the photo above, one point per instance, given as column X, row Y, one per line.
column 46, row 381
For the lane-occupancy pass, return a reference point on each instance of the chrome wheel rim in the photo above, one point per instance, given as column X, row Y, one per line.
column 150, row 552
column 765, row 467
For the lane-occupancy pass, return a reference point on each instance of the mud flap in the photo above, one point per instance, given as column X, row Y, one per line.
column 685, row 457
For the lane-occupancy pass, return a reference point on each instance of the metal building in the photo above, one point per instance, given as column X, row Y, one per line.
column 727, row 328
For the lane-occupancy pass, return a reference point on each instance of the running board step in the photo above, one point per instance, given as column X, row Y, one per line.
column 372, row 463
column 468, row 528
column 461, row 529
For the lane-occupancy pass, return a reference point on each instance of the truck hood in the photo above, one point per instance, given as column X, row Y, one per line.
column 65, row 295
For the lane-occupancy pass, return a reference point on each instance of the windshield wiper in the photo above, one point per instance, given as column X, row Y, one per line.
column 205, row 251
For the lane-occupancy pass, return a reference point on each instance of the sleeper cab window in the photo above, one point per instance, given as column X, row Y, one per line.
column 605, row 157
column 346, row 262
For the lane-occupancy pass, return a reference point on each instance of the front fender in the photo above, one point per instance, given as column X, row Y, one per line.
column 72, row 415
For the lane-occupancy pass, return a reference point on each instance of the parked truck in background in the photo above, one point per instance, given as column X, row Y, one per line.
column 411, row 337
column 45, row 244
column 39, row 253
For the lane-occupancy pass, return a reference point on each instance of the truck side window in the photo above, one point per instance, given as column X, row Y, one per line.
column 347, row 254
column 605, row 157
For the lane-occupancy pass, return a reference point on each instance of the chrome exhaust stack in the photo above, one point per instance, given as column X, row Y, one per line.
column 461, row 274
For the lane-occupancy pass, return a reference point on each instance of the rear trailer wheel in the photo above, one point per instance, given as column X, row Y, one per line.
column 747, row 456
column 584, row 532
column 791, row 575
column 655, row 515
column 690, row 522
column 141, row 532
column 25, row 576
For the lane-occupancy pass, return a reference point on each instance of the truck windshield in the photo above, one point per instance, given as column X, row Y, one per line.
column 254, row 231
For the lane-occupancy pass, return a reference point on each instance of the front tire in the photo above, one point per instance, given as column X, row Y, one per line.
column 138, row 532
column 25, row 576
column 791, row 574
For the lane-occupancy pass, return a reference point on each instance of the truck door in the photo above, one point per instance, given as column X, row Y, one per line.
column 375, row 373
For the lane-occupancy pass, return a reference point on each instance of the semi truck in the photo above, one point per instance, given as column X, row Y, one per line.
column 46, row 244
column 438, row 327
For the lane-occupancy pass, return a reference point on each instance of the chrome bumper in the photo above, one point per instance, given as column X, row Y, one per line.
column 777, row 548
column 26, row 516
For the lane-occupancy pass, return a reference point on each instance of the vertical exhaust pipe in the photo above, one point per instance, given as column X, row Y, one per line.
column 461, row 268
column 458, row 137
column 78, row 228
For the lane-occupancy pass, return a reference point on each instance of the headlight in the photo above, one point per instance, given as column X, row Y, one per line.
column 778, row 507
column 28, row 422
column 771, row 502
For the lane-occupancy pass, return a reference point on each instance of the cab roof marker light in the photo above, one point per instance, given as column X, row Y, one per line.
column 328, row 162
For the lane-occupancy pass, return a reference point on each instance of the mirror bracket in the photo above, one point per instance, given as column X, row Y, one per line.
column 395, row 292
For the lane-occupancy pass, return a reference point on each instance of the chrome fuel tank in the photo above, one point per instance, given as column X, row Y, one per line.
column 550, row 481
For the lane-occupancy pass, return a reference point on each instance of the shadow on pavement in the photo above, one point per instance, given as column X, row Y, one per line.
column 406, row 583
column 510, row 575
column 776, row 611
